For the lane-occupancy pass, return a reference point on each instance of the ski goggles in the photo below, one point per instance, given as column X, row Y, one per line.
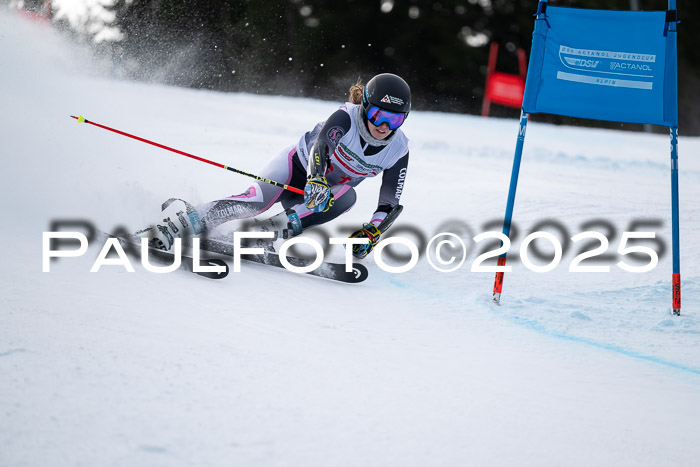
column 378, row 116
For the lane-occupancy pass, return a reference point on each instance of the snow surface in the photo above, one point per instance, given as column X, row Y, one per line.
column 271, row 368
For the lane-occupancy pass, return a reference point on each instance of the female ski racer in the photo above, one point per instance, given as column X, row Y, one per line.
column 361, row 139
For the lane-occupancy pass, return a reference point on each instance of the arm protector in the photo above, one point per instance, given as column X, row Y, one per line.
column 333, row 129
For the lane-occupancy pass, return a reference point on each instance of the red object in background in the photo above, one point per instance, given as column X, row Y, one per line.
column 503, row 88
column 39, row 15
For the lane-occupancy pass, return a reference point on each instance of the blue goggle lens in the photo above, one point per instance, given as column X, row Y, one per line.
column 378, row 116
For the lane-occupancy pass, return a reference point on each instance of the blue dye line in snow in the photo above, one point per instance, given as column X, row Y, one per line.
column 524, row 322
column 399, row 284
column 534, row 326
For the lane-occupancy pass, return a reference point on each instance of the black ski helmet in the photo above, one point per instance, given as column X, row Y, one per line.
column 389, row 92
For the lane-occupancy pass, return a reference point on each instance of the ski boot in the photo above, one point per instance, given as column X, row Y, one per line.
column 179, row 220
column 284, row 225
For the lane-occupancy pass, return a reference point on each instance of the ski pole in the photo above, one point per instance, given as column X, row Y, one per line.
column 82, row 119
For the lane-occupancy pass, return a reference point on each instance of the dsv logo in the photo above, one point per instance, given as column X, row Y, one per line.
column 581, row 62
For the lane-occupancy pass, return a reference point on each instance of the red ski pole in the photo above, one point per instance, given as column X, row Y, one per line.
column 82, row 119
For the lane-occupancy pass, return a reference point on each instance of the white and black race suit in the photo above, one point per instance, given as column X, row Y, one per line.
column 352, row 155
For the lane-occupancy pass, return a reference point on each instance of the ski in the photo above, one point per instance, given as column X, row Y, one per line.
column 224, row 254
column 327, row 270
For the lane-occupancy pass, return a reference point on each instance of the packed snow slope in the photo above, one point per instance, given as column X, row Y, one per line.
column 267, row 367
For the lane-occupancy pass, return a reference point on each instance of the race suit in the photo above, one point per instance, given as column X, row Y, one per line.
column 351, row 155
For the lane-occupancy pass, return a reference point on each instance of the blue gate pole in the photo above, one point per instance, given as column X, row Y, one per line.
column 536, row 54
column 676, row 276
column 498, row 282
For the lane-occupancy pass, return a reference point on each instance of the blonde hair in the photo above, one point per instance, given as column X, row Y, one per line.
column 356, row 91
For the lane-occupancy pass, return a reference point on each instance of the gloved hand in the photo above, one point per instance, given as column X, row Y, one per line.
column 370, row 232
column 317, row 194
